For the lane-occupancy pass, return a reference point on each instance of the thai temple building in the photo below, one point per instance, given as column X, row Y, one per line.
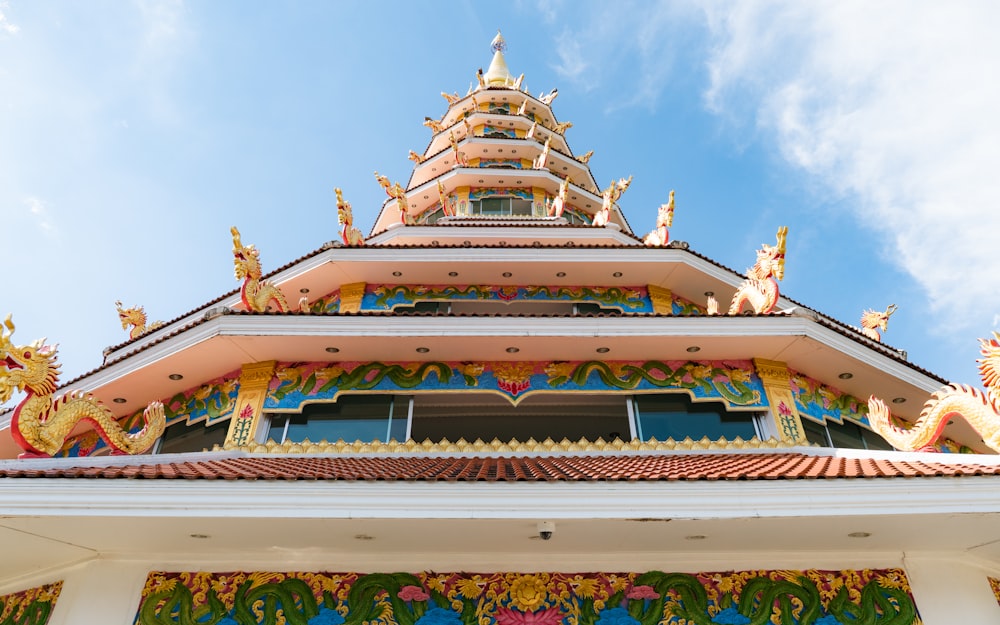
column 505, row 405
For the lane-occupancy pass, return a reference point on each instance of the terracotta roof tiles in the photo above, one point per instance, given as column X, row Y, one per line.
column 572, row 468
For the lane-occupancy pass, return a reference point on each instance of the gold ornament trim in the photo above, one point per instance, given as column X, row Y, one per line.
column 254, row 380
column 496, row 445
column 351, row 296
column 662, row 299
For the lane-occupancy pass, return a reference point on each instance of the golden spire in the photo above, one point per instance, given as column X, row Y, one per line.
column 498, row 74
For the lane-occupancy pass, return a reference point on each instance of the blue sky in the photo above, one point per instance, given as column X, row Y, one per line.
column 134, row 134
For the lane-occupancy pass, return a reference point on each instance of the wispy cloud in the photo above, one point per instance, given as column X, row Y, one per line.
column 5, row 24
column 39, row 213
column 891, row 105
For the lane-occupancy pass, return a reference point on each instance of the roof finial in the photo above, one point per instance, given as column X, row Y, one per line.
column 498, row 44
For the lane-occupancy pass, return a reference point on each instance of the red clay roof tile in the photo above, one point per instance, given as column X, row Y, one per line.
column 617, row 468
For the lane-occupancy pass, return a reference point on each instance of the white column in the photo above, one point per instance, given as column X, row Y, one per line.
column 100, row 592
column 949, row 590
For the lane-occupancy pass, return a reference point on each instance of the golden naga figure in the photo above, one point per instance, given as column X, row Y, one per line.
column 872, row 321
column 562, row 127
column 416, row 158
column 980, row 409
column 451, row 98
column 559, row 203
column 543, row 157
column 398, row 193
column 585, row 158
column 433, row 124
column 256, row 293
column 135, row 317
column 40, row 424
column 460, row 159
column 761, row 286
column 446, row 206
column 548, row 97
column 345, row 215
column 610, row 196
column 664, row 219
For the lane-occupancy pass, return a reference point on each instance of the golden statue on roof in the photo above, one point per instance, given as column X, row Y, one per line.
column 760, row 288
column 41, row 424
column 872, row 321
column 610, row 196
column 256, row 294
column 559, row 203
column 345, row 215
column 135, row 317
column 398, row 193
column 664, row 219
column 979, row 409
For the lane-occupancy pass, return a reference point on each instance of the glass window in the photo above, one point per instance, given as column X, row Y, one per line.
column 845, row 435
column 815, row 433
column 350, row 418
column 183, row 437
column 677, row 417
column 471, row 416
column 502, row 206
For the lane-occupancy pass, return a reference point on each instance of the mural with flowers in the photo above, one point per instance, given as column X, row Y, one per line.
column 730, row 381
column 29, row 607
column 812, row 597
column 385, row 297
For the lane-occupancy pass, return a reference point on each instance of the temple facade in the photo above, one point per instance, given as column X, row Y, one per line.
column 501, row 406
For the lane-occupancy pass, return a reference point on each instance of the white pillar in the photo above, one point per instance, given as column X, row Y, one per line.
column 100, row 592
column 950, row 590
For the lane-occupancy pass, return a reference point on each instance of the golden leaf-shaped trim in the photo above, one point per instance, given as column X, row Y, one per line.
column 497, row 446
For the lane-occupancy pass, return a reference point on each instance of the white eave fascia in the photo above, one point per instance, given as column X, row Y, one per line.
column 514, row 327
column 564, row 500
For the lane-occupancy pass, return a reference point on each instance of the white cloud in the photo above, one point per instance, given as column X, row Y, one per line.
column 5, row 25
column 40, row 214
column 891, row 104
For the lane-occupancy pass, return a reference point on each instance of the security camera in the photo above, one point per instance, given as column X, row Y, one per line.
column 546, row 529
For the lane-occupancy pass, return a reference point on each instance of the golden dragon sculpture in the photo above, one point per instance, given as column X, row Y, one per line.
column 609, row 196
column 664, row 219
column 256, row 293
column 980, row 409
column 872, row 321
column 135, row 317
column 40, row 424
column 760, row 289
column 351, row 235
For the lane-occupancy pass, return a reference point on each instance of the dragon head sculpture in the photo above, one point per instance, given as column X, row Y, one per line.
column 246, row 258
column 771, row 259
column 31, row 368
column 134, row 316
column 872, row 321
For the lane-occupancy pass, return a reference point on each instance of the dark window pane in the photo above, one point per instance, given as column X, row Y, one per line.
column 351, row 418
column 520, row 207
column 815, row 433
column 874, row 441
column 675, row 416
column 181, row 437
column 446, row 416
column 846, row 435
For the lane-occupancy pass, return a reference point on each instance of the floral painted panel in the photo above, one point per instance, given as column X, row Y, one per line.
column 383, row 297
column 29, row 607
column 626, row 299
column 809, row 597
column 730, row 381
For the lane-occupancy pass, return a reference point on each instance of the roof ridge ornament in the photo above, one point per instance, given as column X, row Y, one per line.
column 760, row 289
column 499, row 44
